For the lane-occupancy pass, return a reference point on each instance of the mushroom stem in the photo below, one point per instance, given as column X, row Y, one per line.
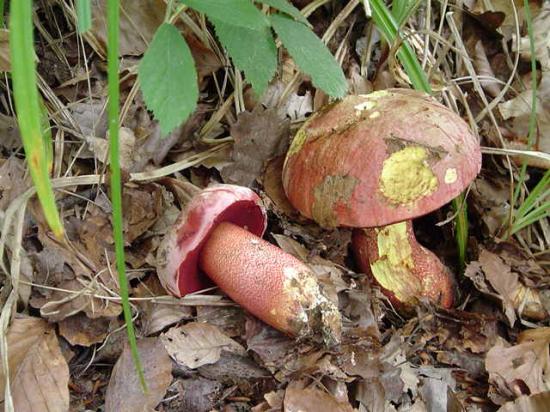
column 404, row 269
column 270, row 283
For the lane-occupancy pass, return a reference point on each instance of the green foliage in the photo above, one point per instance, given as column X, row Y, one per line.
column 113, row 112
column 235, row 12
column 168, row 78
column 248, row 48
column 84, row 15
column 29, row 114
column 311, row 55
column 285, row 7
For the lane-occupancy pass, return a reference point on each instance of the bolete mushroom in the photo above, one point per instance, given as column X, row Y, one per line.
column 374, row 162
column 219, row 234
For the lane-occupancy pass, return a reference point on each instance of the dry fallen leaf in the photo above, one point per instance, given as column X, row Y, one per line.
column 124, row 393
column 5, row 61
column 195, row 344
column 527, row 364
column 81, row 330
column 311, row 399
column 12, row 180
column 157, row 316
column 534, row 403
column 138, row 23
column 514, row 295
column 259, row 136
column 38, row 372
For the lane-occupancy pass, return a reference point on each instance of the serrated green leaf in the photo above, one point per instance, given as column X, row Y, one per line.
column 168, row 78
column 241, row 13
column 311, row 55
column 253, row 51
column 285, row 7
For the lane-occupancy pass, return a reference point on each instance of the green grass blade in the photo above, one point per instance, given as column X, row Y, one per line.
column 113, row 18
column 84, row 15
column 27, row 105
column 387, row 24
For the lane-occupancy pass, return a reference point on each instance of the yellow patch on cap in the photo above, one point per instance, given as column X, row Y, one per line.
column 406, row 176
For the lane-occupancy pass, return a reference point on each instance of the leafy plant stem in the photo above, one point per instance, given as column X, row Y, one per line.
column 27, row 105
column 113, row 18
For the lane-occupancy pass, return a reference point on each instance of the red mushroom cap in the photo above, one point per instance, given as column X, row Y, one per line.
column 178, row 256
column 376, row 159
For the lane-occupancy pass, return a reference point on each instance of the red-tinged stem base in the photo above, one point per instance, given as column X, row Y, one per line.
column 271, row 284
column 404, row 269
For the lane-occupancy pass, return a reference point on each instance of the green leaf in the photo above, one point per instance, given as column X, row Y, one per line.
column 311, row 55
column 84, row 15
column 253, row 51
column 285, row 7
column 236, row 12
column 168, row 78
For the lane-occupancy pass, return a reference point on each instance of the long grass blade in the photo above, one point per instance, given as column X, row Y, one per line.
column 27, row 104
column 113, row 18
column 84, row 15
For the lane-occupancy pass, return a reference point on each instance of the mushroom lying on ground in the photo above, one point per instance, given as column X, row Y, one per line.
column 219, row 234
column 373, row 162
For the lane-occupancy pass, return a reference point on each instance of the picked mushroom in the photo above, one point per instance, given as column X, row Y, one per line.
column 218, row 234
column 374, row 162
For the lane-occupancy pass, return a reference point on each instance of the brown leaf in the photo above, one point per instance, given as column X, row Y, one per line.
column 124, row 392
column 12, row 179
column 311, row 399
column 9, row 130
column 259, row 136
column 138, row 23
column 81, row 330
column 143, row 206
column 196, row 344
column 5, row 61
column 490, row 273
column 157, row 316
column 525, row 364
column 38, row 372
column 534, row 403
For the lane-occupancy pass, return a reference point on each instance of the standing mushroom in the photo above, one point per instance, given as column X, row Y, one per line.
column 219, row 234
column 374, row 162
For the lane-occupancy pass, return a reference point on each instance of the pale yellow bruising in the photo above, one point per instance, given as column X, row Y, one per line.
column 298, row 141
column 374, row 115
column 361, row 107
column 450, row 176
column 393, row 268
column 406, row 176
column 376, row 95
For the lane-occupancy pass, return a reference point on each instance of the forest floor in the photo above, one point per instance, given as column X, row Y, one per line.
column 203, row 352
